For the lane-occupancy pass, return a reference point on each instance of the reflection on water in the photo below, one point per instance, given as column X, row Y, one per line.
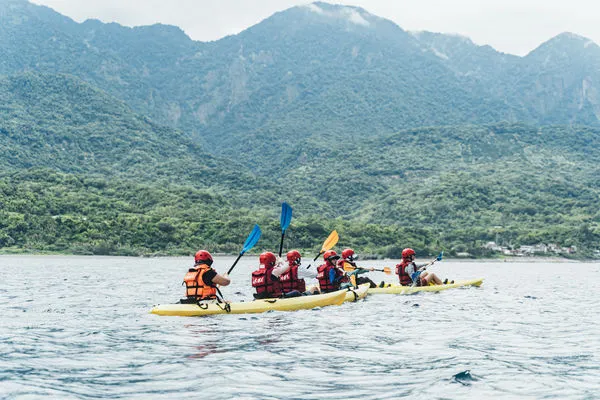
column 205, row 350
column 81, row 329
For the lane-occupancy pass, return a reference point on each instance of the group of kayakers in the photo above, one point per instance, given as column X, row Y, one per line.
column 278, row 278
column 275, row 278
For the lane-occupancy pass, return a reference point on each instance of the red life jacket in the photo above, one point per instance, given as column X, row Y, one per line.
column 340, row 265
column 405, row 279
column 266, row 286
column 289, row 281
column 340, row 270
column 195, row 286
column 323, row 277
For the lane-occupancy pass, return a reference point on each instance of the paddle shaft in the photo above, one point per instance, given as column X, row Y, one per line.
column 250, row 242
column 314, row 259
column 281, row 244
column 286, row 218
column 386, row 270
column 432, row 262
column 331, row 241
column 236, row 261
column 438, row 258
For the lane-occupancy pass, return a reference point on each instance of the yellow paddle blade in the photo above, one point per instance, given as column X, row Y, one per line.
column 348, row 267
column 387, row 270
column 330, row 241
column 353, row 280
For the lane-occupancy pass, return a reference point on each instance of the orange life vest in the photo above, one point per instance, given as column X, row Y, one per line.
column 289, row 281
column 195, row 286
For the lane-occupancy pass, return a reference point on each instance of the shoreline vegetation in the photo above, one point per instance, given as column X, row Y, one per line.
column 500, row 258
column 49, row 212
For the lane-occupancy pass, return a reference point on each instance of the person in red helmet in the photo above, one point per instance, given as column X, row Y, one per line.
column 330, row 277
column 350, row 257
column 201, row 281
column 413, row 274
column 266, row 278
column 293, row 281
column 290, row 280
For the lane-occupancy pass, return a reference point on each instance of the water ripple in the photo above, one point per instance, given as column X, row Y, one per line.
column 90, row 336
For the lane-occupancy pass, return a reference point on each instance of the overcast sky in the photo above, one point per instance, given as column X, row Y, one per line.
column 511, row 26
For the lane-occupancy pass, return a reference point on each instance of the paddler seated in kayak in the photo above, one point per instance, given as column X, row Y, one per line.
column 201, row 281
column 413, row 274
column 330, row 277
column 293, row 281
column 350, row 257
column 266, row 279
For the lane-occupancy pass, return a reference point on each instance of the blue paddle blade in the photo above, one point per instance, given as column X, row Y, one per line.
column 252, row 239
column 439, row 257
column 286, row 216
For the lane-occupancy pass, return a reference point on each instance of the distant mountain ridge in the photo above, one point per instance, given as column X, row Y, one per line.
column 305, row 72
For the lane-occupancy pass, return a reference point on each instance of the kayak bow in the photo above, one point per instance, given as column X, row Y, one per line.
column 355, row 294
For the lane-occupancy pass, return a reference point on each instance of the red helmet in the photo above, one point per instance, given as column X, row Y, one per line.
column 407, row 253
column 330, row 254
column 294, row 257
column 267, row 259
column 203, row 257
column 348, row 254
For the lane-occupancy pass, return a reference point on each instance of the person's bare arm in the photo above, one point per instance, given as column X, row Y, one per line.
column 280, row 268
column 222, row 280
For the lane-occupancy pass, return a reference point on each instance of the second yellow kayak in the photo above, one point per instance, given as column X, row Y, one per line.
column 399, row 289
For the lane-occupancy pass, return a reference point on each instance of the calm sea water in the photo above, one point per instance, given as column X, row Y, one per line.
column 79, row 328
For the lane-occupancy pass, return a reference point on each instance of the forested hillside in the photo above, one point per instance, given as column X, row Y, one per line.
column 63, row 123
column 43, row 210
column 116, row 140
column 319, row 73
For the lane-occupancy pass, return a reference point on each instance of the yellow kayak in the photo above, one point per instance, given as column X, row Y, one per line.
column 399, row 289
column 353, row 294
column 256, row 306
column 359, row 293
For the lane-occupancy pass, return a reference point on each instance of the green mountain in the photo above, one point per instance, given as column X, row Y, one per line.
column 63, row 123
column 119, row 140
column 448, row 192
column 308, row 75
column 465, row 58
column 80, row 172
column 557, row 81
column 468, row 184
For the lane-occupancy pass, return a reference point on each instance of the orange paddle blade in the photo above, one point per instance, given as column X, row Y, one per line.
column 348, row 267
column 330, row 241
